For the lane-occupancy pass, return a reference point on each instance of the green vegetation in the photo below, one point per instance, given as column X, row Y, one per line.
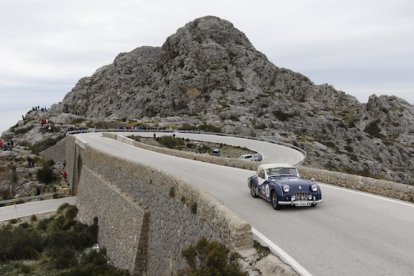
column 77, row 121
column 193, row 146
column 172, row 192
column 193, row 207
column 209, row 128
column 282, row 116
column 204, row 127
column 373, row 129
column 262, row 251
column 211, row 258
column 45, row 174
column 53, row 246
column 170, row 142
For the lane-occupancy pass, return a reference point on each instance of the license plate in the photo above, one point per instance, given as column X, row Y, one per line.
column 302, row 203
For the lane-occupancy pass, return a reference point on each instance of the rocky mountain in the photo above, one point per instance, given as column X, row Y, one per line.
column 208, row 73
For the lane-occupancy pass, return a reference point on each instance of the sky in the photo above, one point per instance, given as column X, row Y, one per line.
column 361, row 47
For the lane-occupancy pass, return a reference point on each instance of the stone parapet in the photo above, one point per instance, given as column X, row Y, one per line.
column 361, row 183
column 176, row 214
column 366, row 184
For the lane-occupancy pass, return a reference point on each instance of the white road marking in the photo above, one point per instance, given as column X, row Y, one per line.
column 367, row 194
column 280, row 253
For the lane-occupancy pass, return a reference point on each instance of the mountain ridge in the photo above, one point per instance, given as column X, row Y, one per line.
column 209, row 73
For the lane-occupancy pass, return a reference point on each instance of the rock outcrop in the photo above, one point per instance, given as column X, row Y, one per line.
column 208, row 73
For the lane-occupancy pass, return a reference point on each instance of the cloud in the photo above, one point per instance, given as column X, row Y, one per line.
column 354, row 45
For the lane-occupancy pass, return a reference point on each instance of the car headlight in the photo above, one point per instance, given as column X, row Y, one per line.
column 314, row 188
column 286, row 188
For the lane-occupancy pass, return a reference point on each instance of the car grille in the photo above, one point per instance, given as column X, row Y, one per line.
column 301, row 196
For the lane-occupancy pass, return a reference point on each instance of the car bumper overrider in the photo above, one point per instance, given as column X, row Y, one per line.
column 301, row 199
column 300, row 202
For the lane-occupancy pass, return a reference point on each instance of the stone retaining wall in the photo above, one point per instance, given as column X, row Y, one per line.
column 123, row 223
column 366, row 184
column 179, row 214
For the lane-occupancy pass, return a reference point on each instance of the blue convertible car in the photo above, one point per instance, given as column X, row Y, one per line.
column 281, row 185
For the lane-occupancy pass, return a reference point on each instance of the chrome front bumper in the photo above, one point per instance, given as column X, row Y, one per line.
column 300, row 202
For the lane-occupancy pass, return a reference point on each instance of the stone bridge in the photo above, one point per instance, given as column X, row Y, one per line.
column 145, row 217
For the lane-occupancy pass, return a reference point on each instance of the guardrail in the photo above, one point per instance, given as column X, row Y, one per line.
column 263, row 139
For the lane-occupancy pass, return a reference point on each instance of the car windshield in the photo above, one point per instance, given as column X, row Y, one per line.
column 281, row 172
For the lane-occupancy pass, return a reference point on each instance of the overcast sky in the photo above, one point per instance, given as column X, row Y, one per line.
column 362, row 47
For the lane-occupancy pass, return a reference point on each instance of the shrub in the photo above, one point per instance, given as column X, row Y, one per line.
column 18, row 243
column 349, row 148
column 262, row 251
column 63, row 257
column 95, row 263
column 259, row 126
column 209, row 128
column 33, row 218
column 170, row 142
column 45, row 175
column 62, row 208
column 193, row 207
column 172, row 192
column 70, row 212
column 188, row 127
column 282, row 116
column 210, row 258
column 373, row 129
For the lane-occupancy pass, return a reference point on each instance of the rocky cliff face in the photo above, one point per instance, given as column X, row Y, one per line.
column 209, row 73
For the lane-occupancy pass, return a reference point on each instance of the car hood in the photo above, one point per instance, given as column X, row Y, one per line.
column 295, row 183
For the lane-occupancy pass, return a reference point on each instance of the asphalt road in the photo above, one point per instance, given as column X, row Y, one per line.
column 271, row 152
column 33, row 208
column 351, row 233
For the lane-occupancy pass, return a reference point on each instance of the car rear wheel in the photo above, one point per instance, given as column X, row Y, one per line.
column 275, row 204
column 253, row 190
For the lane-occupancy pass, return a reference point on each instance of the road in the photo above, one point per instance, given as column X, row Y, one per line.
column 33, row 208
column 351, row 233
column 270, row 152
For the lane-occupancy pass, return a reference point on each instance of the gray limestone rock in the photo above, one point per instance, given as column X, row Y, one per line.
column 208, row 72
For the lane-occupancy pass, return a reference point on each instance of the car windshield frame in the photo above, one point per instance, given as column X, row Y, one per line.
column 282, row 172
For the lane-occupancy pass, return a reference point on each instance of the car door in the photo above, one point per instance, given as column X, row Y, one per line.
column 261, row 178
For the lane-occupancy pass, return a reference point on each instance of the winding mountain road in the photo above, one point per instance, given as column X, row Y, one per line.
column 351, row 233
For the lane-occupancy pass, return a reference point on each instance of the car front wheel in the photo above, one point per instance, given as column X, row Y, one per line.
column 253, row 190
column 275, row 204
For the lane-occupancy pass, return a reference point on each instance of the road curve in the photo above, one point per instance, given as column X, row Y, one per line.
column 351, row 233
column 272, row 153
column 33, row 208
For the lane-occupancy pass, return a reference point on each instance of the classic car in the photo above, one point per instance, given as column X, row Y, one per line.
column 251, row 157
column 281, row 185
